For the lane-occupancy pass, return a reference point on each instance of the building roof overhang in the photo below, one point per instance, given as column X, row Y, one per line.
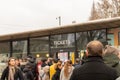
column 76, row 27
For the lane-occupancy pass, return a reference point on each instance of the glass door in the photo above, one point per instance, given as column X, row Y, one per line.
column 63, row 56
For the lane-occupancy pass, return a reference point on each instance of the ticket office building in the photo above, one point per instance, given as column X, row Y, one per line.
column 65, row 42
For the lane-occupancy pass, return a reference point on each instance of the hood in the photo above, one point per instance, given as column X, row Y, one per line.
column 111, row 60
column 31, row 60
column 26, row 70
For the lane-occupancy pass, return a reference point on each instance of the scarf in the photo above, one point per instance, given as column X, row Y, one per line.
column 11, row 73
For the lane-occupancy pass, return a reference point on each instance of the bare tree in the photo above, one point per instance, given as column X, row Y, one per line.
column 94, row 12
column 105, row 9
column 115, row 8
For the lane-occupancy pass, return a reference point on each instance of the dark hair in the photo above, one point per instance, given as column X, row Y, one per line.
column 29, row 56
column 28, row 65
column 55, row 60
column 77, row 60
column 10, row 59
column 43, row 60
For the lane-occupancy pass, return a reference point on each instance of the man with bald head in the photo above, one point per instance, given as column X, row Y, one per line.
column 94, row 68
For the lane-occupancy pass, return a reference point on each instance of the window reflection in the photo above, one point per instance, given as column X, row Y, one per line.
column 39, row 47
column 113, row 37
column 4, row 51
column 119, row 38
column 4, row 55
column 62, row 41
column 19, row 49
column 83, row 38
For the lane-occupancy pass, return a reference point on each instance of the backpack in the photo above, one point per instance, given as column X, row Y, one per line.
column 25, row 76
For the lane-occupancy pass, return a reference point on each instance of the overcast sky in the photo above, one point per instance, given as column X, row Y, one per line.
column 25, row 15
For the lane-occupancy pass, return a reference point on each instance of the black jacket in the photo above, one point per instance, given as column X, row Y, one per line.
column 18, row 74
column 28, row 75
column 94, row 69
column 56, row 76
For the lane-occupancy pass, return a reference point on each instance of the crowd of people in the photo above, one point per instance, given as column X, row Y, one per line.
column 100, row 63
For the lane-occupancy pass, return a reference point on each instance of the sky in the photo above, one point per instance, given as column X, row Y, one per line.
column 26, row 15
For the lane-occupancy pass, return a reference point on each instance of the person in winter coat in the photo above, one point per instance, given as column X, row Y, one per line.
column 11, row 72
column 32, row 61
column 94, row 68
column 44, row 62
column 38, row 69
column 27, row 73
column 56, row 76
column 77, row 63
column 52, row 68
column 44, row 73
column 111, row 57
column 66, row 71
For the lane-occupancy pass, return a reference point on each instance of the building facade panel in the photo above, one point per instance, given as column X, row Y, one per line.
column 39, row 47
column 19, row 48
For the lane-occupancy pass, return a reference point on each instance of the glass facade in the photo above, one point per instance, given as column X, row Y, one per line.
column 62, row 45
column 19, row 48
column 119, row 38
column 4, row 55
column 62, row 41
column 111, row 39
column 39, row 47
column 4, row 51
column 55, row 45
column 83, row 38
column 113, row 36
